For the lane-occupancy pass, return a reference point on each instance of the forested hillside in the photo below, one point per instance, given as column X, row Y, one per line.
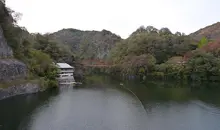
column 162, row 44
column 87, row 44
column 162, row 54
column 148, row 51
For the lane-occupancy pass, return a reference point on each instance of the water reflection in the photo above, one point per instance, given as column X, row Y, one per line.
column 15, row 110
column 172, row 106
column 154, row 91
column 103, row 104
column 89, row 109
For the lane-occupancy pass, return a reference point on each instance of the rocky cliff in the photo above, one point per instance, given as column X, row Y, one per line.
column 19, row 89
column 5, row 50
column 10, row 68
column 87, row 44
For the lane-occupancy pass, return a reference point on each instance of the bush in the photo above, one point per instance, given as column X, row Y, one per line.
column 202, row 66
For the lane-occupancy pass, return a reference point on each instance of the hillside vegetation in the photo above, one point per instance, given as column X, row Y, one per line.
column 148, row 51
column 162, row 54
column 211, row 32
column 87, row 44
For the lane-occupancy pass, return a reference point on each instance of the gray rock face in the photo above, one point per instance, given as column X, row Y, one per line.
column 11, row 69
column 5, row 50
column 18, row 90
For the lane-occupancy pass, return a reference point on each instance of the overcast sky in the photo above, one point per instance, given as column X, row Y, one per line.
column 119, row 16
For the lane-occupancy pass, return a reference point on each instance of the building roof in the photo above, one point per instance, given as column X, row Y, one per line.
column 64, row 65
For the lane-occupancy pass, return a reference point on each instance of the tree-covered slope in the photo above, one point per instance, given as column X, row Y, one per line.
column 87, row 44
column 162, row 54
column 162, row 44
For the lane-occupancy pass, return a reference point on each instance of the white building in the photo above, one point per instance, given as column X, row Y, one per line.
column 65, row 73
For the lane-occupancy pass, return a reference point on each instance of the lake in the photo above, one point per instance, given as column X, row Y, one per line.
column 103, row 104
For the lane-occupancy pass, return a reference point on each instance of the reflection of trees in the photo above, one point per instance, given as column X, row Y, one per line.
column 153, row 92
column 208, row 93
column 163, row 92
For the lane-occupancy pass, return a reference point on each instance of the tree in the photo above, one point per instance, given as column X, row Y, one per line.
column 39, row 62
column 178, row 34
column 151, row 29
column 165, row 31
column 202, row 66
column 137, row 65
column 3, row 1
column 58, row 52
column 148, row 29
column 130, row 53
column 162, row 47
column 202, row 42
column 141, row 29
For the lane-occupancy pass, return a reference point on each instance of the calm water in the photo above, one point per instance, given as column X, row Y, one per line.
column 102, row 104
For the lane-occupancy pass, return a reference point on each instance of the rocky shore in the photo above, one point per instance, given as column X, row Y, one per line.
column 20, row 89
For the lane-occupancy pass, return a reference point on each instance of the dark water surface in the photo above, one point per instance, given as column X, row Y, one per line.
column 103, row 104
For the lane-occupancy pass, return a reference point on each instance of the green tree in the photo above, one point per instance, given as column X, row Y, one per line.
column 202, row 66
column 202, row 42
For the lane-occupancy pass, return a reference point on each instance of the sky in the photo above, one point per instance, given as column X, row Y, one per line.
column 118, row 16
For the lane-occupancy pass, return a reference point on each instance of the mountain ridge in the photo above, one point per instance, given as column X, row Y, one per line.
column 87, row 44
column 211, row 32
column 93, row 44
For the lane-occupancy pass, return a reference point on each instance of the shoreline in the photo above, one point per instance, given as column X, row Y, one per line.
column 21, row 89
